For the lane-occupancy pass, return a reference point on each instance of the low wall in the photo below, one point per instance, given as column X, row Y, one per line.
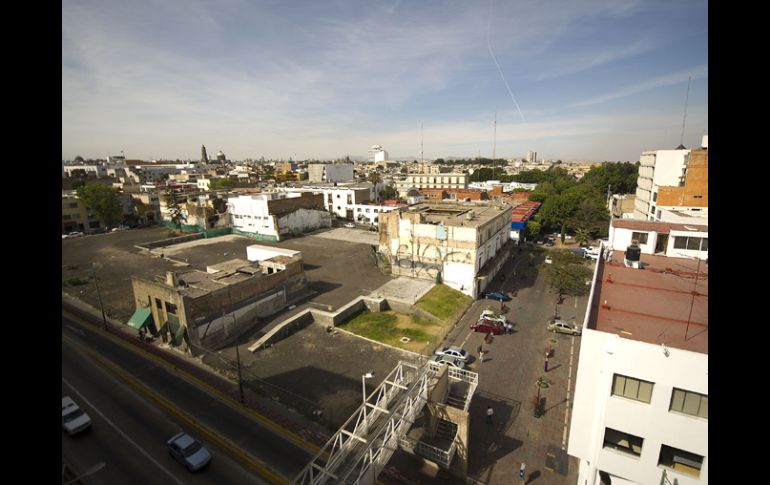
column 170, row 241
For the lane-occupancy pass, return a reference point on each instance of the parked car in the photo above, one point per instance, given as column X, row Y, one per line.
column 450, row 361
column 497, row 295
column 75, row 234
column 73, row 419
column 562, row 326
column 487, row 326
column 548, row 260
column 119, row 228
column 490, row 315
column 454, row 352
column 591, row 252
column 350, row 225
column 188, row 451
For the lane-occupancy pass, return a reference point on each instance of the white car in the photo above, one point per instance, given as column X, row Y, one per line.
column 561, row 326
column 73, row 419
column 75, row 234
column 490, row 315
column 350, row 225
column 591, row 252
column 119, row 228
column 548, row 260
column 188, row 451
column 454, row 352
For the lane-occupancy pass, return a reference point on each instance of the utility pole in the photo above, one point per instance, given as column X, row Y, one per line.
column 99, row 295
column 494, row 147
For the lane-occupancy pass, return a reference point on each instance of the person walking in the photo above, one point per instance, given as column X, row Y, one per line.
column 546, row 363
column 490, row 412
column 522, row 470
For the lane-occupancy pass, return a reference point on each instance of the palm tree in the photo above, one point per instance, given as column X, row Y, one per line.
column 582, row 236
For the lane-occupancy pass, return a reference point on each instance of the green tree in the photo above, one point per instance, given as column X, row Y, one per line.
column 389, row 192
column 567, row 273
column 222, row 183
column 582, row 236
column 174, row 209
column 374, row 177
column 590, row 216
column 620, row 177
column 103, row 202
column 532, row 229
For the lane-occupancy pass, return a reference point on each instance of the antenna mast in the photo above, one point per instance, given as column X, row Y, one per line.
column 494, row 147
column 422, row 159
column 686, row 99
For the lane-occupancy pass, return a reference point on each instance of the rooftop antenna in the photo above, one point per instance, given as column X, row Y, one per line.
column 686, row 99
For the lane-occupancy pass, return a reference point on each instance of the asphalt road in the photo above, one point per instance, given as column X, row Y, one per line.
column 137, row 404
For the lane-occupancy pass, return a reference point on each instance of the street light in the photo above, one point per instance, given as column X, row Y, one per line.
column 98, row 294
column 364, row 377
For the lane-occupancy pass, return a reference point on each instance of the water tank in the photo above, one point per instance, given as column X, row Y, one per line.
column 633, row 256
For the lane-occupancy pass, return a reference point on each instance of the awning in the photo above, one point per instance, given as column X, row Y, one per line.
column 140, row 318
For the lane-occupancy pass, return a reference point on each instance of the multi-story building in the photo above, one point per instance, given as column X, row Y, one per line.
column 531, row 156
column 658, row 168
column 640, row 409
column 622, row 205
column 330, row 172
column 377, row 154
column 339, row 199
column 273, row 216
column 461, row 245
column 661, row 238
column 370, row 213
column 692, row 198
column 74, row 214
column 432, row 181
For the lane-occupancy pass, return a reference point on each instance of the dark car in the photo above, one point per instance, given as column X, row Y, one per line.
column 487, row 326
column 497, row 295
column 188, row 451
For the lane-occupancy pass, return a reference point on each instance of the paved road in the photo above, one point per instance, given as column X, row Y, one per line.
column 148, row 402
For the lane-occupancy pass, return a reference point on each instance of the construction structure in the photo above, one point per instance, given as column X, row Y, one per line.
column 421, row 408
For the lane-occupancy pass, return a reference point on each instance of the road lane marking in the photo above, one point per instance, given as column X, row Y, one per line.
column 569, row 388
column 124, row 435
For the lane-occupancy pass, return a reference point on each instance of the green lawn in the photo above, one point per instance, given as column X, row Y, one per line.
column 443, row 302
column 389, row 328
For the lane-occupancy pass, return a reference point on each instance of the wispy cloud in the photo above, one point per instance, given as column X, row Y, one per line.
column 660, row 81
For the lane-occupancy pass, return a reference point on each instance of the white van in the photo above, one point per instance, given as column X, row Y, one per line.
column 73, row 419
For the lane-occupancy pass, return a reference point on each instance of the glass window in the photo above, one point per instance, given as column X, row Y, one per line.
column 631, row 388
column 620, row 441
column 693, row 243
column 640, row 236
column 680, row 242
column 691, row 403
column 680, row 460
column 704, row 246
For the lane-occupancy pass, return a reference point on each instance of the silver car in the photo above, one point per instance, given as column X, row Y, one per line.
column 454, row 352
column 188, row 451
column 561, row 326
column 450, row 361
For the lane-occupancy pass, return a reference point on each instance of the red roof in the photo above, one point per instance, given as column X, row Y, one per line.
column 661, row 227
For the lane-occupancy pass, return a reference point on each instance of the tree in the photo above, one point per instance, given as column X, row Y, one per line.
column 222, row 183
column 532, row 229
column 389, row 192
column 566, row 273
column 103, row 202
column 375, row 177
column 174, row 209
column 582, row 236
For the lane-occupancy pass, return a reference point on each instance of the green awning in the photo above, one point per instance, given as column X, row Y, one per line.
column 140, row 318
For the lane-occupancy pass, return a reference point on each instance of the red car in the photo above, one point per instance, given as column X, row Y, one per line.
column 487, row 326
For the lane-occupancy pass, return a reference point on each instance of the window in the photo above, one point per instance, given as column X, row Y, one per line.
column 640, row 236
column 631, row 388
column 654, row 196
column 66, row 217
column 170, row 308
column 620, row 441
column 692, row 243
column 679, row 460
column 158, row 304
column 73, row 205
column 691, row 403
column 697, row 196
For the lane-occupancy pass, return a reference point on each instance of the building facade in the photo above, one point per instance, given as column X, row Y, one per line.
column 330, row 172
column 339, row 200
column 274, row 216
column 661, row 238
column 432, row 181
column 657, row 168
column 461, row 245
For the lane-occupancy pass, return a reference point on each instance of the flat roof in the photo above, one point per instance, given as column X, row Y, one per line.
column 661, row 227
column 666, row 302
column 468, row 215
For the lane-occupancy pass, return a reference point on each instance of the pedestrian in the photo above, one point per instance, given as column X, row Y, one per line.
column 490, row 412
column 546, row 363
column 481, row 357
column 522, row 470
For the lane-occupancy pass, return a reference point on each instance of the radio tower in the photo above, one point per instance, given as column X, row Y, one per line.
column 686, row 99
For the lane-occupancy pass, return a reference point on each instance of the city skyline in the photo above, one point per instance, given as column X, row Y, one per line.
column 598, row 80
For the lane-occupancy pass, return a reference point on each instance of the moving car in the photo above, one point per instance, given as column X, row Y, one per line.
column 75, row 234
column 450, row 361
column 454, row 352
column 497, row 295
column 73, row 419
column 119, row 228
column 487, row 326
column 562, row 326
column 350, row 225
column 188, row 451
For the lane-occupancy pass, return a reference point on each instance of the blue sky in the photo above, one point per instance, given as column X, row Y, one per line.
column 588, row 79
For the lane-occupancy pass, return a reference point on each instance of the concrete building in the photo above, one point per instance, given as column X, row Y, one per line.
column 461, row 245
column 531, row 156
column 370, row 213
column 693, row 197
column 622, row 206
column 339, row 199
column 661, row 238
column 377, row 154
column 205, row 309
column 330, row 172
column 274, row 216
column 202, row 211
column 641, row 394
column 521, row 214
column 657, row 168
column 74, row 214
column 97, row 170
column 432, row 181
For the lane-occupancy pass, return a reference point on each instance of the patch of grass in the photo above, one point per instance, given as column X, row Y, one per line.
column 418, row 320
column 443, row 301
column 389, row 327
column 74, row 281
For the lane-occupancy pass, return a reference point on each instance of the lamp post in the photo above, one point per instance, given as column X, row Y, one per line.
column 364, row 377
column 99, row 294
column 238, row 361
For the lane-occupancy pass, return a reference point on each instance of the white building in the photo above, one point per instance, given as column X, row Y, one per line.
column 98, row 170
column 370, row 213
column 330, row 172
column 531, row 156
column 432, row 181
column 641, row 394
column 377, row 154
column 661, row 238
column 461, row 245
column 657, row 168
column 339, row 200
column 272, row 216
column 506, row 187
